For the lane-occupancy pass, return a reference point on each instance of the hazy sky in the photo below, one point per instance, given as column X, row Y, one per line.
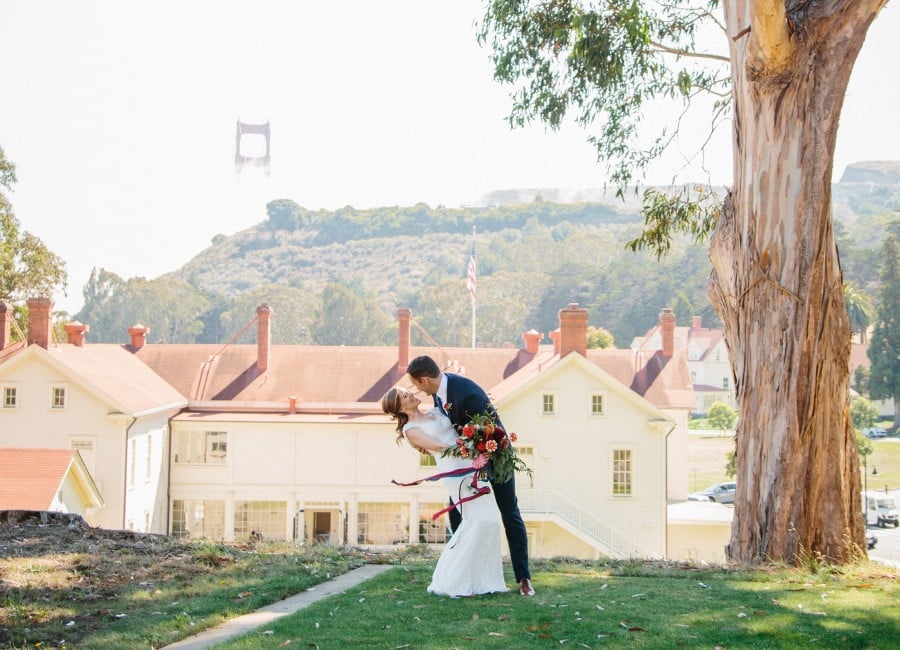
column 120, row 118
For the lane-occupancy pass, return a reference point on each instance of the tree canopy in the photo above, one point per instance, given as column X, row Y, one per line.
column 884, row 350
column 27, row 266
column 776, row 279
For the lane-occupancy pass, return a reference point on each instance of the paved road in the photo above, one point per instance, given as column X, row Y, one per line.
column 887, row 549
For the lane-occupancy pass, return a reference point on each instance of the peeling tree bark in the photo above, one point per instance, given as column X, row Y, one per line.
column 777, row 281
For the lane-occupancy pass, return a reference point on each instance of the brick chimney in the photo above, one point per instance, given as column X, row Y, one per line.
column 75, row 332
column 263, row 336
column 404, row 314
column 697, row 323
column 554, row 336
column 6, row 315
column 39, row 325
column 667, row 331
column 573, row 330
column 532, row 341
column 138, row 334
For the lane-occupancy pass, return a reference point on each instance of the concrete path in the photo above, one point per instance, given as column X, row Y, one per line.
column 241, row 624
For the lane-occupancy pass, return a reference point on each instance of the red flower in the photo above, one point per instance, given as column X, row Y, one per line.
column 468, row 431
column 512, row 436
column 482, row 446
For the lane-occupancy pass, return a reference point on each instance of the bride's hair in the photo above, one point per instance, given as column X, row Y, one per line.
column 390, row 404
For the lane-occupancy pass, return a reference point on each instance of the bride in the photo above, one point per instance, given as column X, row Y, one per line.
column 471, row 562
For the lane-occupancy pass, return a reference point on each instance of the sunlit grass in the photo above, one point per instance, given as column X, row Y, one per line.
column 606, row 604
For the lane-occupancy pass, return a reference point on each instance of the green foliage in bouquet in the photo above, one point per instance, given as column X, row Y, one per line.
column 490, row 448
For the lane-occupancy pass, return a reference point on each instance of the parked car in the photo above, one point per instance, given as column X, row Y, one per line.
column 874, row 432
column 871, row 540
column 720, row 492
column 880, row 510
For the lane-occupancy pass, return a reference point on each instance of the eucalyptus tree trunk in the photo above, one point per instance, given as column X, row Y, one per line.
column 777, row 281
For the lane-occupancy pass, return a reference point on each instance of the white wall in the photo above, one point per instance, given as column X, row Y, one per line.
column 34, row 424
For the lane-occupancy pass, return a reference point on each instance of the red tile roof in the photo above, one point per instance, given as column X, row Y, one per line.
column 346, row 374
column 30, row 478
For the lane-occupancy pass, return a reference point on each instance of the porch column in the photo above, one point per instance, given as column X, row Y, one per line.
column 301, row 517
column 353, row 520
column 414, row 519
column 229, row 516
column 290, row 512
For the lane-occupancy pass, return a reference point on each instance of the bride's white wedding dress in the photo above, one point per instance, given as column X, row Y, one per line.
column 471, row 562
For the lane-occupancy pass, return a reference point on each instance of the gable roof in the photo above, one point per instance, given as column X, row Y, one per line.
column 108, row 371
column 551, row 365
column 31, row 478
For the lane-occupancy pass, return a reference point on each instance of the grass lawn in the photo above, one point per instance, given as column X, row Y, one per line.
column 605, row 604
column 92, row 588
column 707, row 458
column 67, row 587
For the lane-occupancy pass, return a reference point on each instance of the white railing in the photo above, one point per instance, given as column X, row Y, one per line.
column 551, row 502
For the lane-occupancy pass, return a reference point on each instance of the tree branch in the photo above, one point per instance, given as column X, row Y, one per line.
column 690, row 54
column 770, row 45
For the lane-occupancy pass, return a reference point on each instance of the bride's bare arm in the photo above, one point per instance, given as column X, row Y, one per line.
column 422, row 441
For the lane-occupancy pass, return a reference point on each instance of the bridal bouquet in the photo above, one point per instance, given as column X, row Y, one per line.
column 489, row 447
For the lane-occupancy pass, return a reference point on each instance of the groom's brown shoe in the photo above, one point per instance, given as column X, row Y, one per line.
column 525, row 587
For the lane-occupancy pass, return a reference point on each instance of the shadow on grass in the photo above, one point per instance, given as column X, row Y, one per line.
column 596, row 604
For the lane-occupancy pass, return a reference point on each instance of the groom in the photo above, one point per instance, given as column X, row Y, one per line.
column 462, row 398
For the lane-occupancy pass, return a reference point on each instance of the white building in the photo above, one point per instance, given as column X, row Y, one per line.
column 289, row 441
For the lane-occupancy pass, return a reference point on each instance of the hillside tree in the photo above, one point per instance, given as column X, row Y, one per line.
column 776, row 280
column 884, row 350
column 348, row 316
column 27, row 267
column 860, row 310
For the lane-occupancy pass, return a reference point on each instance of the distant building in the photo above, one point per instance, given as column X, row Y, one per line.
column 707, row 357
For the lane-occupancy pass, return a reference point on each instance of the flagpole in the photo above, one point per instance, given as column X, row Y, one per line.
column 471, row 283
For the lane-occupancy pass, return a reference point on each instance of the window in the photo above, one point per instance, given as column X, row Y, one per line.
column 85, row 447
column 432, row 531
column 198, row 518
column 383, row 523
column 132, row 461
column 58, row 397
column 201, row 447
column 427, row 460
column 260, row 519
column 10, row 397
column 526, row 454
column 148, row 458
column 597, row 404
column 548, row 404
column 725, row 383
column 693, row 376
column 621, row 473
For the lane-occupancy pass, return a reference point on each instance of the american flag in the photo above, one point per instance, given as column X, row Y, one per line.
column 470, row 275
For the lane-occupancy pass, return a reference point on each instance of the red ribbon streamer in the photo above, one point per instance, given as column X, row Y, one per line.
column 462, row 471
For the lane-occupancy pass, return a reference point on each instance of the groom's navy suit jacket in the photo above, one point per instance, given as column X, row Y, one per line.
column 466, row 399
